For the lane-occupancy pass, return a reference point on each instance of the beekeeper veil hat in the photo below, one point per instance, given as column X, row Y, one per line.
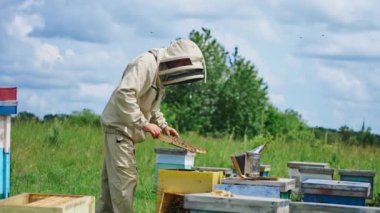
column 181, row 62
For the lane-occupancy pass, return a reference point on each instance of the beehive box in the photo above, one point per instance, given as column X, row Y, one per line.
column 185, row 181
column 206, row 202
column 48, row 203
column 285, row 185
column 304, row 207
column 167, row 158
column 337, row 192
column 294, row 173
column 365, row 176
column 315, row 173
column 264, row 170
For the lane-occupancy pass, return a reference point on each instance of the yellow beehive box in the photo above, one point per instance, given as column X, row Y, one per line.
column 186, row 181
column 48, row 203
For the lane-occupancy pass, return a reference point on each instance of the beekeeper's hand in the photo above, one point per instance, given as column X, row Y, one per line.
column 170, row 131
column 153, row 129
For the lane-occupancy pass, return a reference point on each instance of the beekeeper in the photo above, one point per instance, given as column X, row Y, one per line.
column 134, row 109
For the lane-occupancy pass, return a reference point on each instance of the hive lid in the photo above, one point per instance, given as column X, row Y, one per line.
column 170, row 151
column 298, row 164
column 316, row 170
column 335, row 185
column 349, row 172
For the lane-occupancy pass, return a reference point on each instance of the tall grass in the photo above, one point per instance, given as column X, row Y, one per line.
column 61, row 157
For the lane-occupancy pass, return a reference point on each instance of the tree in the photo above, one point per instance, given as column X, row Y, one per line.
column 26, row 116
column 234, row 98
column 242, row 99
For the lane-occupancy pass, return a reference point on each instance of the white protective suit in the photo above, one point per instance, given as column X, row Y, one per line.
column 133, row 104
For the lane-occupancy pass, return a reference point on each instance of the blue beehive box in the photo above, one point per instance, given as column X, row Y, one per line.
column 284, row 185
column 365, row 176
column 211, row 203
column 167, row 158
column 250, row 190
column 337, row 192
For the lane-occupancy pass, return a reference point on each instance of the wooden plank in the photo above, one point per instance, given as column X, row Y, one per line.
column 350, row 172
column 298, row 164
column 284, row 184
column 80, row 204
column 45, row 202
column 175, row 159
column 334, row 192
column 208, row 202
column 364, row 179
column 181, row 143
column 248, row 190
column 316, row 170
column 48, row 203
column 237, row 167
column 20, row 199
column 342, row 200
column 305, row 207
column 25, row 209
column 336, row 185
column 170, row 151
column 307, row 176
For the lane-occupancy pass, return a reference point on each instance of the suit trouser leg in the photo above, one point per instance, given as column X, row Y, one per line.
column 121, row 174
column 105, row 204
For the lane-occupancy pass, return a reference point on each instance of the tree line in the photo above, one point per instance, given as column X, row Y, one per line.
column 233, row 102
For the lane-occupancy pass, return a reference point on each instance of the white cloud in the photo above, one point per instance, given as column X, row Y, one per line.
column 345, row 85
column 19, row 27
column 98, row 91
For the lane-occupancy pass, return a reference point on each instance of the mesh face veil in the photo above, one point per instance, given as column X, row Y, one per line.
column 182, row 62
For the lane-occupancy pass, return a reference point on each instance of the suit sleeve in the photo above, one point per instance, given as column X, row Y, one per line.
column 136, row 80
column 157, row 116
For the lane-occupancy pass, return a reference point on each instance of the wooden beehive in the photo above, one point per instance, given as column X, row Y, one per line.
column 48, row 203
column 337, row 192
column 167, row 158
column 365, row 176
column 250, row 190
column 184, row 182
column 304, row 207
column 264, row 170
column 285, row 185
column 315, row 173
column 206, row 202
column 294, row 173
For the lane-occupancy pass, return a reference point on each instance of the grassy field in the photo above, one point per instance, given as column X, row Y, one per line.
column 64, row 158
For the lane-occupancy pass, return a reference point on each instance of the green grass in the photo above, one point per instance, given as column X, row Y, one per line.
column 66, row 159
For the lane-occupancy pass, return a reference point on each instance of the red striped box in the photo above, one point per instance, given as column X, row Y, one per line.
column 8, row 100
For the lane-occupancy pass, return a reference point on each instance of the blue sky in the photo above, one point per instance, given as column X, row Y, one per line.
column 318, row 57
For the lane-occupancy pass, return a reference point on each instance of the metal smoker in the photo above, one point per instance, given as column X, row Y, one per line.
column 248, row 164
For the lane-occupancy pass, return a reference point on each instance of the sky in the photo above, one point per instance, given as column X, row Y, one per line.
column 318, row 57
